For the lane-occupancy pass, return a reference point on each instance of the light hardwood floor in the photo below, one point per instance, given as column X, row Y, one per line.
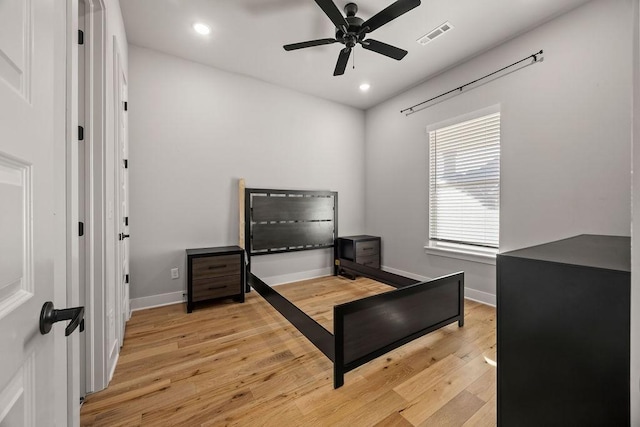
column 245, row 365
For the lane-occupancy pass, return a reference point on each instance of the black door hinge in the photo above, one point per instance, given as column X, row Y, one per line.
column 80, row 37
column 126, row 106
column 126, row 220
column 126, row 164
column 80, row 133
column 81, row 229
column 126, row 278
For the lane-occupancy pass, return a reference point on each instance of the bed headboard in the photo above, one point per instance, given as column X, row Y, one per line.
column 289, row 220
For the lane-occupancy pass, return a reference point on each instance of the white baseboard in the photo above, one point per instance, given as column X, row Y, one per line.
column 406, row 274
column 157, row 300
column 471, row 294
column 480, row 296
column 178, row 297
column 113, row 368
column 296, row 277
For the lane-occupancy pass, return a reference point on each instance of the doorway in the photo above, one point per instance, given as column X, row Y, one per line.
column 94, row 367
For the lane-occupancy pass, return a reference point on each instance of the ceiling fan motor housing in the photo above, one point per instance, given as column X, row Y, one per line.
column 352, row 36
column 350, row 9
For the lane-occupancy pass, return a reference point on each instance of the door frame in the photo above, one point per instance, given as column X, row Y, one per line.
column 63, row 413
column 66, row 284
column 122, row 313
column 94, row 271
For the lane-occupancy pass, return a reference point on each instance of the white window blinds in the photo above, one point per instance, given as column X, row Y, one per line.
column 464, row 182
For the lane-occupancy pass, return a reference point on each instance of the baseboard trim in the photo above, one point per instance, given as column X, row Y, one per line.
column 406, row 274
column 157, row 301
column 480, row 296
column 296, row 277
column 470, row 294
column 152, row 301
column 113, row 368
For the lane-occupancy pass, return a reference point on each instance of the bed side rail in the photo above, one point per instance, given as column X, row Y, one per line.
column 376, row 274
column 311, row 329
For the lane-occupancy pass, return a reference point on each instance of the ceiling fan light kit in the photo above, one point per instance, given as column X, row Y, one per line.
column 352, row 30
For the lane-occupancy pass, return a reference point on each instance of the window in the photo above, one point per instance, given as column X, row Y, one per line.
column 464, row 185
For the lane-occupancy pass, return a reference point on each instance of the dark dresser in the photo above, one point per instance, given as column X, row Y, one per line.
column 214, row 273
column 563, row 325
column 361, row 249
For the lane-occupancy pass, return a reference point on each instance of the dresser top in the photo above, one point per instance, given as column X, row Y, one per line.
column 221, row 250
column 590, row 250
column 360, row 237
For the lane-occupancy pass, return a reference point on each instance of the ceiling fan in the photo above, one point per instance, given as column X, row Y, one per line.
column 351, row 30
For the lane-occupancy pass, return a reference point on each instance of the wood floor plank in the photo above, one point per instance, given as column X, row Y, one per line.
column 422, row 381
column 426, row 404
column 394, row 420
column 230, row 364
column 456, row 411
column 485, row 416
column 485, row 386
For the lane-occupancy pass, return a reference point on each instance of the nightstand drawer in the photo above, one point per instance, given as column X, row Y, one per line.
column 218, row 266
column 366, row 248
column 372, row 261
column 204, row 289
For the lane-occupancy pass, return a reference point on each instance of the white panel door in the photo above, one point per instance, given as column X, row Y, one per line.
column 29, row 367
column 124, row 202
column 122, row 183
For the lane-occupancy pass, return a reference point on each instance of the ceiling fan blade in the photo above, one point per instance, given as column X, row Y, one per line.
column 390, row 13
column 343, row 59
column 331, row 10
column 384, row 49
column 309, row 43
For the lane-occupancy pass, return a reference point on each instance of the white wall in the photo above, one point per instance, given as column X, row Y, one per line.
column 565, row 142
column 194, row 131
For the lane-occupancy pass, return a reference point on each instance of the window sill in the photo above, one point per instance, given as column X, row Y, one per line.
column 464, row 252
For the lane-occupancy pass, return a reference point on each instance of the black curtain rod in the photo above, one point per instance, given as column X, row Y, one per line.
column 532, row 56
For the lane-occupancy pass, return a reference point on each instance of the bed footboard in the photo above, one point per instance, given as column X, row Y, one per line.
column 370, row 327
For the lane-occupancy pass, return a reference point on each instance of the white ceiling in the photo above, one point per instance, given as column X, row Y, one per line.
column 247, row 38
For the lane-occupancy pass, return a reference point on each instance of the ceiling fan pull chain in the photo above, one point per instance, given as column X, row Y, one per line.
column 354, row 59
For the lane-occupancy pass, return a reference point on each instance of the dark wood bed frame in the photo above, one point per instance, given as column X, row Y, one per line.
column 279, row 221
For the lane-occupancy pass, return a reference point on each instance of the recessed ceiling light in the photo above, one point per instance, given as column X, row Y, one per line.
column 201, row 28
column 365, row 87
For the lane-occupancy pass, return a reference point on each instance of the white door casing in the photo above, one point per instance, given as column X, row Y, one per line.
column 95, row 105
column 83, row 153
column 32, row 269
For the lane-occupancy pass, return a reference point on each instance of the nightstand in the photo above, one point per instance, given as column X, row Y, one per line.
column 361, row 249
column 214, row 273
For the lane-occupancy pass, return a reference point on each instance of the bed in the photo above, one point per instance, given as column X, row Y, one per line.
column 278, row 221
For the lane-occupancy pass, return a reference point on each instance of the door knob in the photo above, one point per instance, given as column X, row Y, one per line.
column 49, row 316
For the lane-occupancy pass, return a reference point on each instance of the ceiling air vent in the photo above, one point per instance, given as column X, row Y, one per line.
column 435, row 33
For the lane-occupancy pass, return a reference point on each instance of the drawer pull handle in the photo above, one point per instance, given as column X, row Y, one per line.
column 367, row 249
column 214, row 267
column 213, row 288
